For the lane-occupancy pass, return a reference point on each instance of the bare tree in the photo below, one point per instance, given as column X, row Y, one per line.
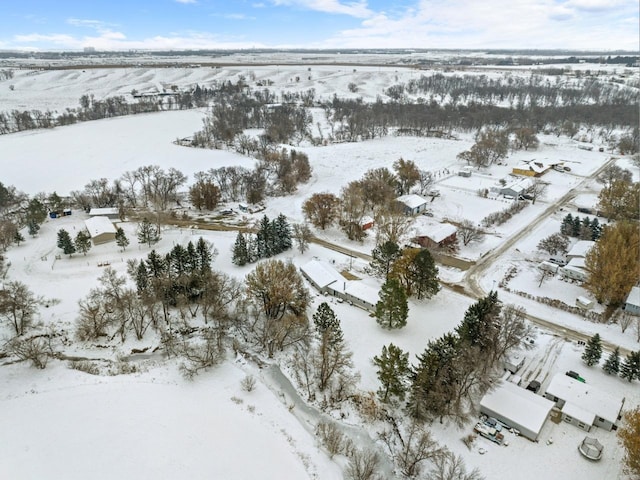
column 302, row 235
column 391, row 223
column 425, row 182
column 18, row 306
column 363, row 466
column 468, row 232
column 554, row 243
column 417, row 447
column 321, row 209
column 450, row 466
column 38, row 350
column 537, row 189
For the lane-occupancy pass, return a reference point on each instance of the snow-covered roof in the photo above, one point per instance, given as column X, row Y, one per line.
column 519, row 405
column 579, row 413
column 433, row 230
column 577, row 262
column 362, row 291
column 586, row 397
column 103, row 211
column 412, row 200
column 634, row 297
column 366, row 219
column 519, row 186
column 321, row 273
column 581, row 248
column 537, row 167
column 99, row 225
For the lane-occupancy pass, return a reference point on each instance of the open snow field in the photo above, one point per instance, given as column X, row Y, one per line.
column 62, row 423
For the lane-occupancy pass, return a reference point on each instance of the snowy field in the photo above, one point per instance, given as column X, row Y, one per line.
column 62, row 423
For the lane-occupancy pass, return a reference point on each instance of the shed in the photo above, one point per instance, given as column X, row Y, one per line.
column 517, row 188
column 465, row 171
column 518, row 408
column 632, row 304
column 367, row 222
column 584, row 302
column 548, row 267
column 412, row 204
column 101, row 230
column 582, row 398
column 513, row 363
column 110, row 212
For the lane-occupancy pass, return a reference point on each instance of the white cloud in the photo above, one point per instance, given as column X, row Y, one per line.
column 186, row 1
column 599, row 5
column 357, row 9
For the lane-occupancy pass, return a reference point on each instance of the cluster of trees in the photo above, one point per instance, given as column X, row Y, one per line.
column 273, row 237
column 455, row 368
column 619, row 198
column 582, row 228
column 498, row 218
column 629, row 435
column 628, row 369
column 613, row 263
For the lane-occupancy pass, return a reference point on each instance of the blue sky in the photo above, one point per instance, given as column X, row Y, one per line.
column 179, row 24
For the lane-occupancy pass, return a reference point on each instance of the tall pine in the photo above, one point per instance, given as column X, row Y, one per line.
column 65, row 242
column 240, row 254
column 121, row 239
column 630, row 368
column 393, row 372
column 392, row 310
column 593, row 351
column 282, row 234
column 612, row 363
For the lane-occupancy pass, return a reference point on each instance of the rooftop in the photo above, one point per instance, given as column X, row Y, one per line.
column 99, row 225
column 433, row 230
column 581, row 248
column 104, row 211
column 412, row 200
column 634, row 297
column 321, row 273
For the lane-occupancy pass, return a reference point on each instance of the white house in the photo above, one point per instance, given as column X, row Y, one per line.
column 321, row 275
column 101, row 230
column 518, row 408
column 575, row 270
column 584, row 405
column 580, row 249
column 412, row 204
column 632, row 304
column 517, row 188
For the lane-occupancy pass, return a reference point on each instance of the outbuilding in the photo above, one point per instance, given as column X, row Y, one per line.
column 412, row 204
column 518, row 408
column 632, row 304
column 110, row 212
column 584, row 405
column 101, row 230
column 321, row 275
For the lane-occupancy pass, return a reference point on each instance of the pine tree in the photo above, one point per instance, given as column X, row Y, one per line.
column 33, row 227
column 333, row 356
column 65, row 242
column 264, row 239
column 148, row 232
column 121, row 239
column 576, row 226
column 204, row 254
column 17, row 237
column 393, row 373
column 142, row 278
column 586, row 231
column 567, row 225
column 593, row 351
column 240, row 255
column 630, row 367
column 82, row 242
column 282, row 234
column 612, row 364
column 383, row 257
column 596, row 230
column 424, row 275
column 392, row 310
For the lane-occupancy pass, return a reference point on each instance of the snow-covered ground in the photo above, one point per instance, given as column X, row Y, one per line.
column 62, row 423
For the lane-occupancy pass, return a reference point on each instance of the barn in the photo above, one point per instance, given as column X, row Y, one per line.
column 101, row 230
column 518, row 408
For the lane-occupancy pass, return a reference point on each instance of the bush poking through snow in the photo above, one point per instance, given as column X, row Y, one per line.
column 248, row 383
column 363, row 466
column 35, row 349
column 333, row 439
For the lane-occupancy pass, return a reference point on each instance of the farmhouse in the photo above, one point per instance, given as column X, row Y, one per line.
column 518, row 408
column 109, row 212
column 101, row 230
column 434, row 235
column 412, row 204
column 515, row 189
column 531, row 168
column 580, row 249
column 632, row 305
column 584, row 405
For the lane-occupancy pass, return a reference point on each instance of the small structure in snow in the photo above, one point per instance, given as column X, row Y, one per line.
column 465, row 171
column 366, row 223
column 109, row 212
column 101, row 230
column 632, row 304
column 591, row 448
column 584, row 302
column 412, row 204
column 513, row 363
column 575, row 270
column 548, row 267
column 518, row 408
column 515, row 189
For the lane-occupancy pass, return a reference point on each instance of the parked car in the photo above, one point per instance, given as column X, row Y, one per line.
column 534, row 386
column 572, row 374
column 558, row 261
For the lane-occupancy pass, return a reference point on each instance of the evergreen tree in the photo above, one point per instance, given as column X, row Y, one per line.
column 156, row 265
column 148, row 232
column 240, row 254
column 204, row 255
column 82, row 242
column 17, row 237
column 121, row 239
column 36, row 212
column 630, row 367
column 33, row 227
column 585, row 229
column 142, row 278
column 612, row 364
column 264, row 239
column 393, row 373
column 326, row 321
column 577, row 224
column 567, row 225
column 383, row 257
column 593, row 351
column 282, row 234
column 424, row 275
column 392, row 310
column 596, row 230
column 65, row 242
column 333, row 356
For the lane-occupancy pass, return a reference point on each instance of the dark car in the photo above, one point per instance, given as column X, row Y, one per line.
column 572, row 374
column 534, row 386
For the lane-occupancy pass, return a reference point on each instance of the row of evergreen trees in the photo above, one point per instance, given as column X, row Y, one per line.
column 582, row 228
column 273, row 237
column 629, row 368
column 82, row 241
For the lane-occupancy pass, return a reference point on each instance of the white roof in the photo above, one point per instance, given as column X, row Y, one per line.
column 435, row 231
column 412, row 200
column 581, row 248
column 580, row 414
column 362, row 291
column 103, row 211
column 99, row 225
column 532, row 165
column 577, row 262
column 321, row 273
column 519, row 405
column 586, row 397
column 634, row 297
column 519, row 185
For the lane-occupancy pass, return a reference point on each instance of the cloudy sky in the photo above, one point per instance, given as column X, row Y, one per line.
column 181, row 24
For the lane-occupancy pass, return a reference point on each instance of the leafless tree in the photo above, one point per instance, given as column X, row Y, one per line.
column 450, row 466
column 363, row 465
column 321, row 209
column 468, row 232
column 38, row 349
column 537, row 189
column 391, row 223
column 624, row 320
column 425, row 182
column 417, row 447
column 18, row 306
column 302, row 236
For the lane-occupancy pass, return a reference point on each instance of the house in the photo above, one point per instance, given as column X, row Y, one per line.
column 580, row 249
column 412, row 204
column 632, row 304
column 515, row 189
column 101, row 230
column 109, row 212
column 530, row 168
column 366, row 223
column 584, row 405
column 321, row 275
column 434, row 235
column 360, row 294
column 517, row 408
column 575, row 270
column 513, row 363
